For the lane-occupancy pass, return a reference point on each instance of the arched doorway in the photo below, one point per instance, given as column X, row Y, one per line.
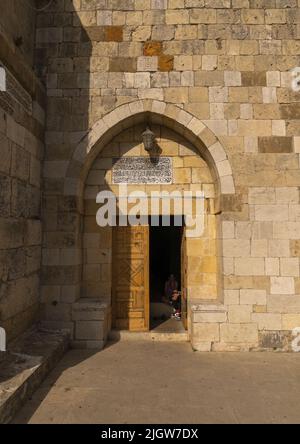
column 119, row 263
column 89, row 317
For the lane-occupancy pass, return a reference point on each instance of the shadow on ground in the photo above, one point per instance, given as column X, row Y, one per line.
column 162, row 382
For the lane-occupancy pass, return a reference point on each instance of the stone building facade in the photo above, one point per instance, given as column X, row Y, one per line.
column 213, row 79
column 22, row 122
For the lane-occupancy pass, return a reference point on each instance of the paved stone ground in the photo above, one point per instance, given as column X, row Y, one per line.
column 155, row 382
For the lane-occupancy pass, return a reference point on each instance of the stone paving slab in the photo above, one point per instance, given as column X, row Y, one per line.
column 24, row 366
column 161, row 382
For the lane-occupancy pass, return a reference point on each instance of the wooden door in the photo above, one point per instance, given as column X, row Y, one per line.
column 130, row 296
column 183, row 280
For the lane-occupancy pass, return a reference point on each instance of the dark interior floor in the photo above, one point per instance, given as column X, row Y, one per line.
column 169, row 325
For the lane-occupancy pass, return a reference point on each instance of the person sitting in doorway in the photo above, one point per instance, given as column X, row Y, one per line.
column 176, row 304
column 170, row 286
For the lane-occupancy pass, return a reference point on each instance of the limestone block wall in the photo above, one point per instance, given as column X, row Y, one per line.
column 17, row 21
column 225, row 62
column 22, row 119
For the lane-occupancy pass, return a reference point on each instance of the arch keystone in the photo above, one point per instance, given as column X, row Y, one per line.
column 158, row 107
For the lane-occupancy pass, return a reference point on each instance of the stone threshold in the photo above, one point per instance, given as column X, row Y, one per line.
column 25, row 365
column 125, row 335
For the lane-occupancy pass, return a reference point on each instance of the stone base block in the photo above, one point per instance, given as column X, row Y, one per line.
column 89, row 330
column 92, row 322
column 89, row 310
column 239, row 334
column 204, row 313
column 223, row 347
column 206, row 332
column 275, row 340
column 205, row 325
column 202, row 346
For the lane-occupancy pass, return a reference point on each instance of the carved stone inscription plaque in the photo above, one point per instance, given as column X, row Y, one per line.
column 142, row 170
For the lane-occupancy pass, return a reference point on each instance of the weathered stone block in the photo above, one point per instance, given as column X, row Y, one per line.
column 147, row 63
column 290, row 321
column 152, row 48
column 34, row 232
column 239, row 333
column 253, row 296
column 165, row 63
column 205, row 332
column 274, row 340
column 104, row 17
column 295, row 248
column 49, row 35
column 231, row 297
column 289, row 266
column 283, row 304
column 163, row 32
column 141, row 33
column 271, row 212
column 236, row 247
column 5, row 154
column 275, row 144
column 202, row 346
column 239, row 314
column 177, row 17
column 262, row 195
column 176, row 95
column 89, row 310
column 113, row 34
column 5, row 195
column 209, row 317
column 267, row 321
column 272, row 266
column 93, row 33
column 254, row 78
column 203, row 16
column 89, row 330
column 249, row 266
column 122, row 64
column 282, row 285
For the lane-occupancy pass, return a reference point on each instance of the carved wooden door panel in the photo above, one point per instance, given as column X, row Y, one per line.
column 130, row 296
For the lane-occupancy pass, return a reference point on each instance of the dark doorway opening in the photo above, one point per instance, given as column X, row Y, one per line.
column 165, row 259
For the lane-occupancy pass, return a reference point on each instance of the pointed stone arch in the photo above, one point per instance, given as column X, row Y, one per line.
column 170, row 115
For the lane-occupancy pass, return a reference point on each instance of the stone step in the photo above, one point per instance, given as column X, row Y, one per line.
column 125, row 335
column 25, row 365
